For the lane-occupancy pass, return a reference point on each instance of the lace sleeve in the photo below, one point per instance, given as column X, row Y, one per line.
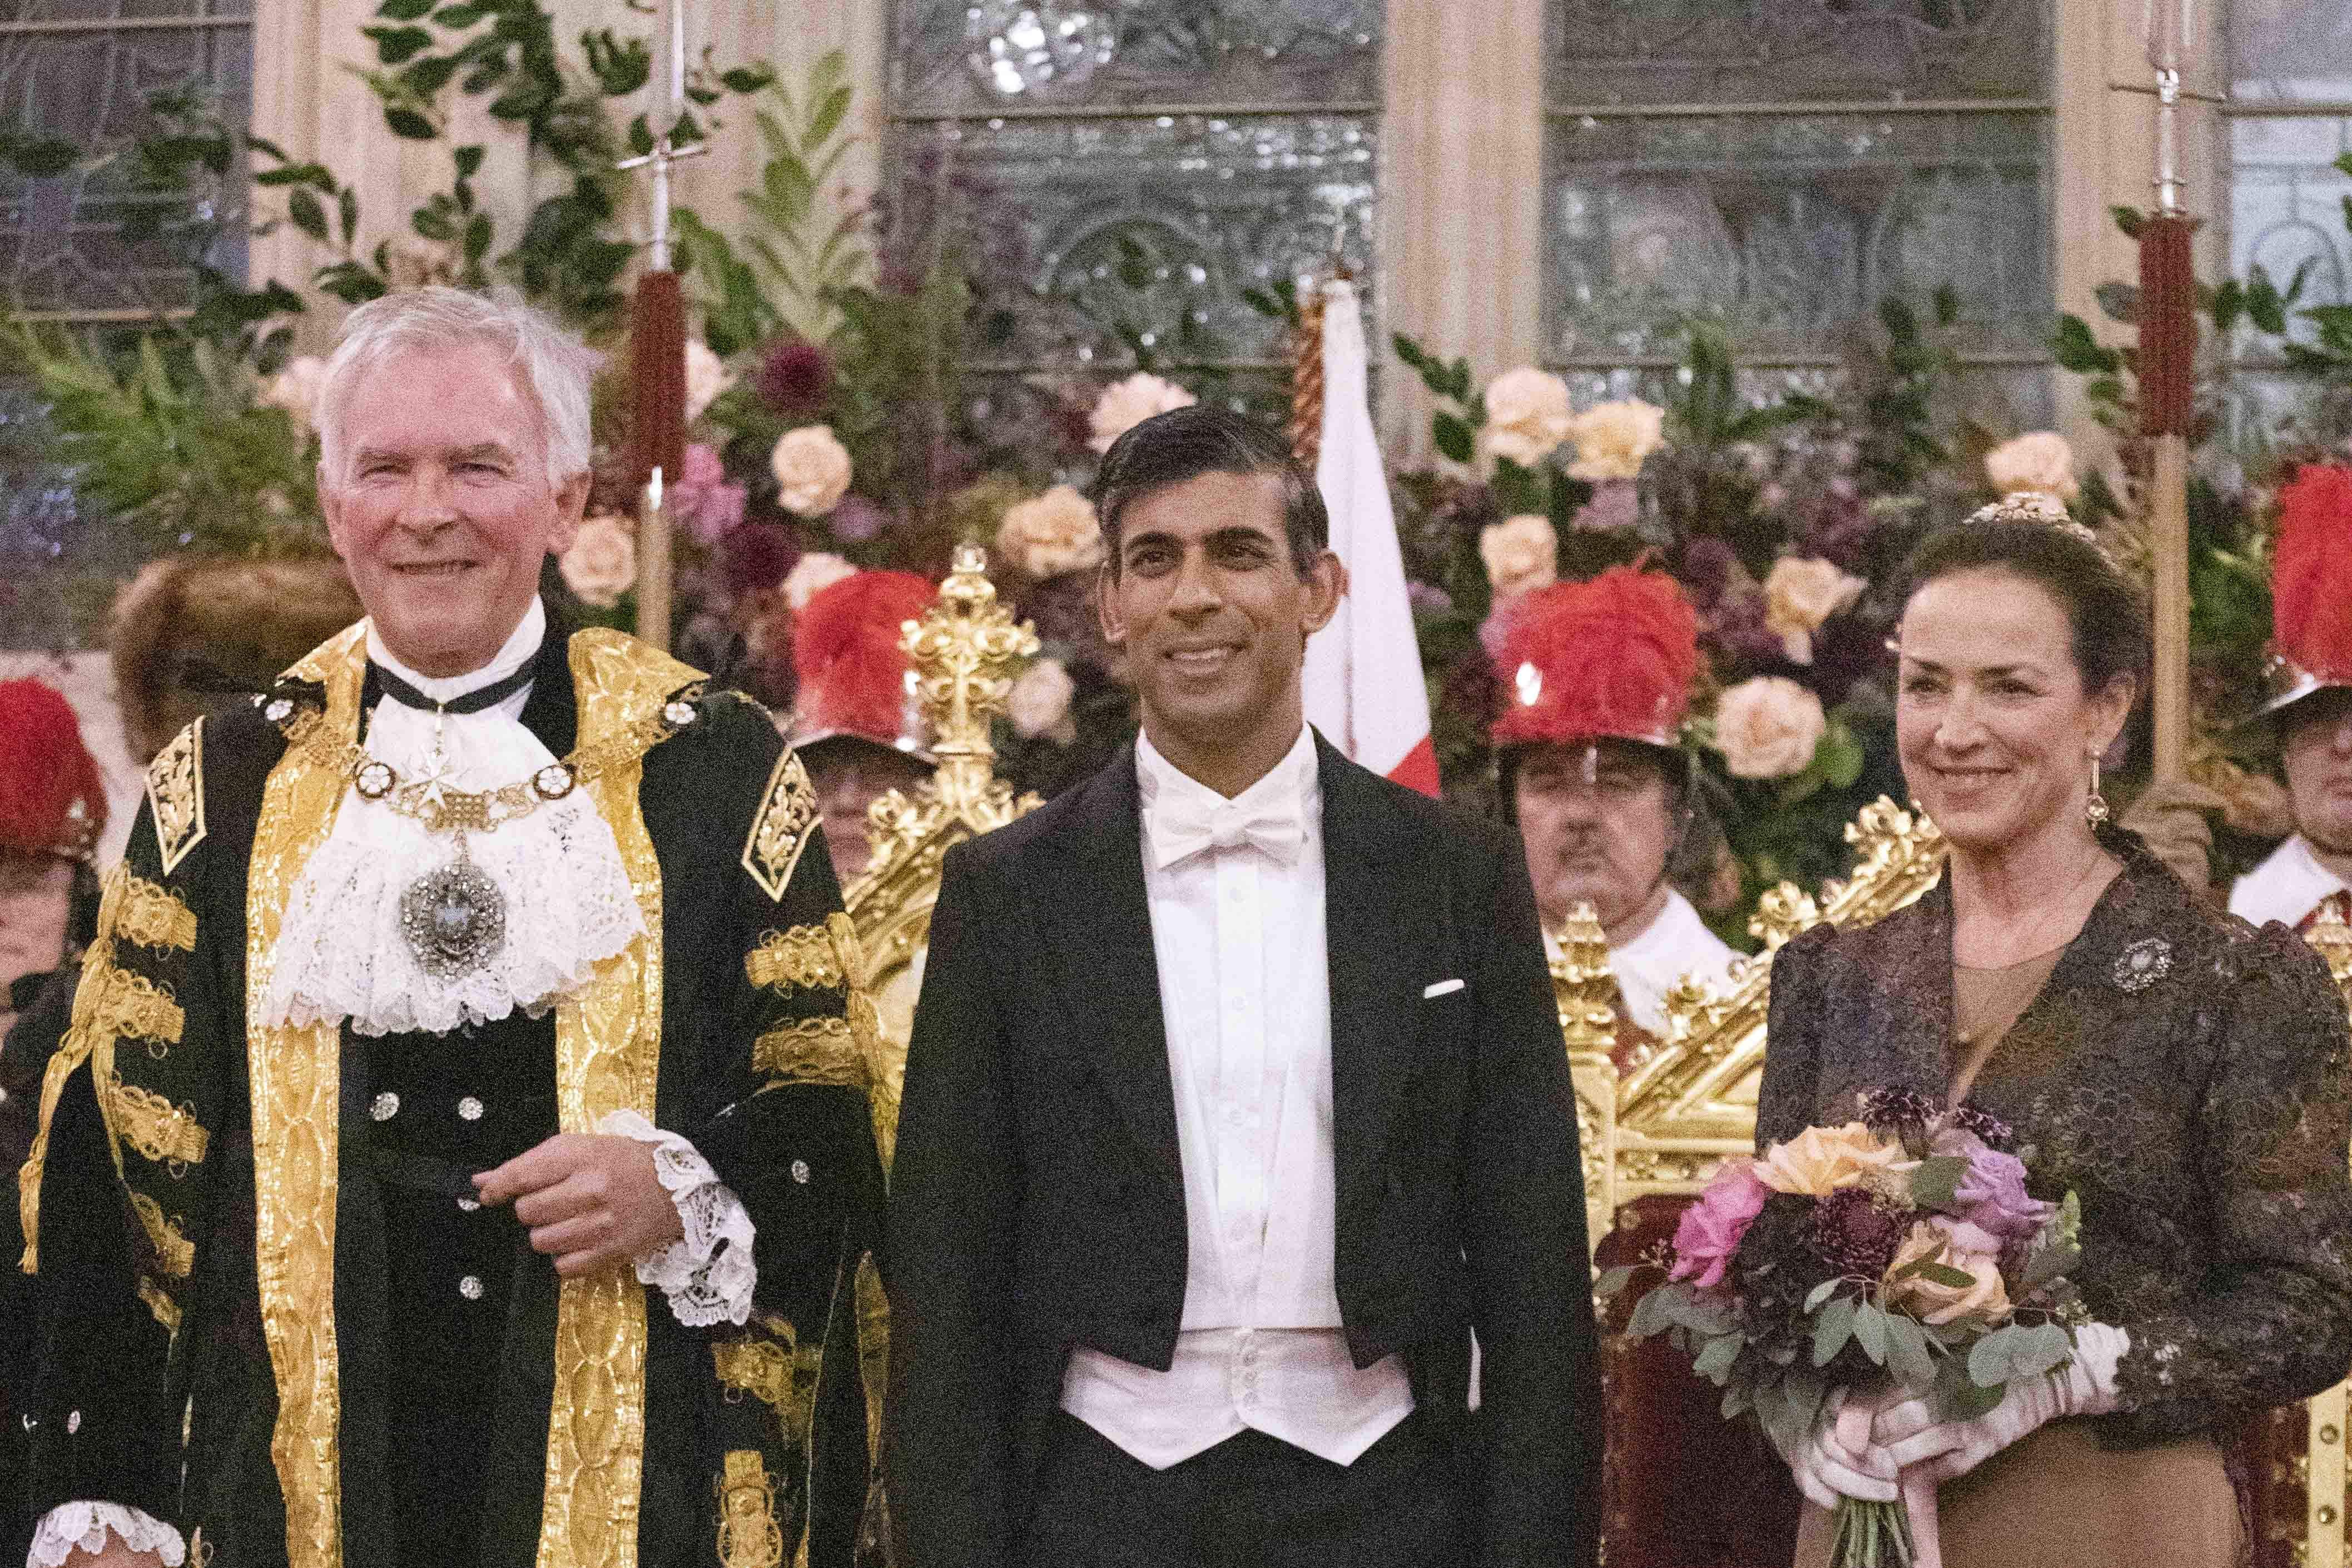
column 2275, row 1321
column 85, row 1526
column 708, row 1273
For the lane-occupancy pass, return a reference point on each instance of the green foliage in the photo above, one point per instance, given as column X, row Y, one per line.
column 800, row 250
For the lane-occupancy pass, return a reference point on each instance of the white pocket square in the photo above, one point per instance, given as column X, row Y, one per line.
column 1443, row 988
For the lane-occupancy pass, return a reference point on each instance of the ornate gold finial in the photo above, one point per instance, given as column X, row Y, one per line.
column 965, row 650
column 1581, row 983
column 2331, row 937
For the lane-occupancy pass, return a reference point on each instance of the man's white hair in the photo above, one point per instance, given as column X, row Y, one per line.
column 555, row 365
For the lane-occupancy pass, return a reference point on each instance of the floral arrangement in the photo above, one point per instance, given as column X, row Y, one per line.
column 1899, row 1250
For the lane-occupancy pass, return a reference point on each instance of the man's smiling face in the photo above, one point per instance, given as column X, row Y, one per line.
column 442, row 511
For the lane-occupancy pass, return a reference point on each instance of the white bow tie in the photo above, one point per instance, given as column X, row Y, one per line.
column 1183, row 828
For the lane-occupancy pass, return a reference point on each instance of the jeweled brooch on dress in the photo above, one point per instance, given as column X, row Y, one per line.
column 2143, row 964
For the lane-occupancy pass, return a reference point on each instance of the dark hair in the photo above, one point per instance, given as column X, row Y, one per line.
column 2103, row 611
column 1185, row 443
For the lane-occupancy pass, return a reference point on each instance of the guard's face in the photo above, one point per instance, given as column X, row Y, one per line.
column 2317, row 752
column 1597, row 835
column 442, row 511
column 1995, row 730
column 849, row 777
column 1213, row 611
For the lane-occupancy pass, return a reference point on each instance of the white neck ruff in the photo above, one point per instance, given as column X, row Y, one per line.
column 342, row 954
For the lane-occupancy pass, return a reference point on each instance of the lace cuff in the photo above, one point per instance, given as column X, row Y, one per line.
column 708, row 1273
column 86, row 1525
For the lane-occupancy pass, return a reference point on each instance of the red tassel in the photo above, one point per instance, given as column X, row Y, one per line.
column 2168, row 326
column 657, row 373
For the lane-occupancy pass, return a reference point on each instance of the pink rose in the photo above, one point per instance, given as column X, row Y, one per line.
column 1711, row 1229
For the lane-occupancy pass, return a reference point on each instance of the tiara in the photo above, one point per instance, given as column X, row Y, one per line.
column 2040, row 509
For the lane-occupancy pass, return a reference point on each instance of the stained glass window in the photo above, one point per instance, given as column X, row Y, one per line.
column 1781, row 166
column 2290, row 118
column 1141, row 165
column 82, row 71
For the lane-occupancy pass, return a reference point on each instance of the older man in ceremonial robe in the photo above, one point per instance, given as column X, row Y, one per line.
column 460, row 1153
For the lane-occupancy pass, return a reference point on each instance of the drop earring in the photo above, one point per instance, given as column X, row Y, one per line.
column 2094, row 809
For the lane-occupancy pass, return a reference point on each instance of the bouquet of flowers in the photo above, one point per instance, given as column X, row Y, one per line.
column 1899, row 1251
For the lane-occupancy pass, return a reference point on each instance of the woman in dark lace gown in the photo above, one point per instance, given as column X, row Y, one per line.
column 2180, row 1071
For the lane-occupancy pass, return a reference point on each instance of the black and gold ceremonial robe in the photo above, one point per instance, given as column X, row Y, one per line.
column 271, row 1312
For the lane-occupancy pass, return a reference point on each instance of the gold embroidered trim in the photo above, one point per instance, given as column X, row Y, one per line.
column 748, row 1535
column 159, row 1302
column 608, row 1058
column 117, row 1003
column 297, row 1076
column 804, row 957
column 165, row 1133
column 175, row 794
column 176, row 1255
column 788, row 812
column 154, row 916
column 814, row 1050
column 757, row 1366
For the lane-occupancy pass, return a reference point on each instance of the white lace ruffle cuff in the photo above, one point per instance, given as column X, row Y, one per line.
column 87, row 1524
column 708, row 1273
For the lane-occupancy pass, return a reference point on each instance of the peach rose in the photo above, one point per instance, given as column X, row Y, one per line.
column 1052, row 533
column 1039, row 703
column 1954, row 1245
column 813, row 468
column 1768, row 727
column 2039, row 462
column 1799, row 593
column 1125, row 405
column 295, row 389
column 1819, row 1159
column 1613, row 439
column 707, row 376
column 1520, row 554
column 811, row 574
column 602, row 564
column 1526, row 414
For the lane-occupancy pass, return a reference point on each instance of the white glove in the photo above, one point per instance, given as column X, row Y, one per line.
column 1909, row 1434
column 1828, row 1470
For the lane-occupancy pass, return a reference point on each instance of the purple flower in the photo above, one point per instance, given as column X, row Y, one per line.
column 796, row 378
column 1615, row 504
column 756, row 558
column 703, row 500
column 855, row 519
column 1711, row 1229
column 1992, row 1193
column 1428, row 598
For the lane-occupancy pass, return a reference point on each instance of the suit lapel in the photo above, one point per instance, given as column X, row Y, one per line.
column 1109, row 970
column 1372, row 900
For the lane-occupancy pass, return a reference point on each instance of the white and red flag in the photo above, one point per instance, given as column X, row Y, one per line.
column 1363, row 682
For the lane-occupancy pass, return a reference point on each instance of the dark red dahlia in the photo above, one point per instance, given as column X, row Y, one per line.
column 796, row 378
column 1857, row 1232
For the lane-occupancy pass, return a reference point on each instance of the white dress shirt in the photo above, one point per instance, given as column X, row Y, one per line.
column 2289, row 886
column 1236, row 896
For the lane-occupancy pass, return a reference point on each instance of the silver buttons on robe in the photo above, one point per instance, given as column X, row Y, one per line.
column 801, row 1172
column 470, row 1287
column 469, row 1110
column 385, row 1106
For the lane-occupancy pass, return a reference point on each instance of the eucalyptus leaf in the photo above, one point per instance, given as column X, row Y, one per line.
column 1937, row 1179
column 1870, row 1331
column 1832, row 1330
column 1906, row 1353
column 1614, row 1280
column 1821, row 1294
column 1991, row 1360
column 1653, row 1314
column 1714, row 1363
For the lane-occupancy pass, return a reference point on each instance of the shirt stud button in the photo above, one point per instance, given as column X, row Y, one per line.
column 73, row 1422
column 470, row 1109
column 801, row 1172
column 385, row 1106
column 470, row 1287
column 466, row 1206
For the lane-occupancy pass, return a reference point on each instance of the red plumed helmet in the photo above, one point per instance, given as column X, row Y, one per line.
column 52, row 800
column 1608, row 658
column 853, row 677
column 2311, row 580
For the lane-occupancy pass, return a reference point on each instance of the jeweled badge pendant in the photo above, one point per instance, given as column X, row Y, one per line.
column 455, row 919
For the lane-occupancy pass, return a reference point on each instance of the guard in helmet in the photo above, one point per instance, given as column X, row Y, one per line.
column 856, row 723
column 1596, row 678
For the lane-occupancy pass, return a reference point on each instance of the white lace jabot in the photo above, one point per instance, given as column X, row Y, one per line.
column 341, row 953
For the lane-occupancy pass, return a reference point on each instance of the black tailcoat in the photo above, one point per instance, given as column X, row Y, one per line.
column 1038, row 1196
